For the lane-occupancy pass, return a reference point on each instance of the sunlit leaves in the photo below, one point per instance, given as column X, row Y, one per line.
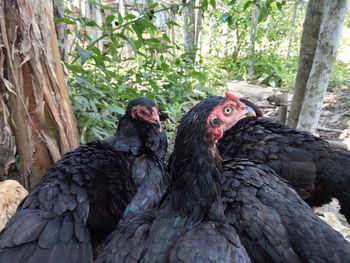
column 64, row 20
column 83, row 54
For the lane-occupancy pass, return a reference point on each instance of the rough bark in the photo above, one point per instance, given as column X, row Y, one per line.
column 311, row 30
column 60, row 27
column 325, row 56
column 198, row 28
column 189, row 31
column 32, row 75
column 253, row 29
column 7, row 147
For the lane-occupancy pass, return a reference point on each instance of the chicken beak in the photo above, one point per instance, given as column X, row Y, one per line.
column 158, row 125
column 250, row 112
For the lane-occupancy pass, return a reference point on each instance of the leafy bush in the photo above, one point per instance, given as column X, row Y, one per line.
column 103, row 81
column 340, row 74
column 271, row 70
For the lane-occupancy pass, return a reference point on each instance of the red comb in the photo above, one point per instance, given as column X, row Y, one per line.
column 232, row 97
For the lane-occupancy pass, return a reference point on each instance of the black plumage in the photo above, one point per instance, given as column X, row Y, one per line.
column 272, row 221
column 191, row 209
column 315, row 169
column 80, row 199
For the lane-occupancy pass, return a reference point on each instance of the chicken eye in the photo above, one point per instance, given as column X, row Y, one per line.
column 228, row 110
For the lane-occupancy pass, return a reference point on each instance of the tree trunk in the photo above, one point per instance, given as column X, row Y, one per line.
column 7, row 148
column 93, row 12
column 189, row 32
column 225, row 32
column 253, row 29
column 325, row 56
column 121, row 7
column 198, row 28
column 32, row 75
column 58, row 10
column 292, row 28
column 311, row 30
column 211, row 27
column 171, row 32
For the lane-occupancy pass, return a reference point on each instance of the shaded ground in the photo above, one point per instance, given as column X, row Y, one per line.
column 334, row 125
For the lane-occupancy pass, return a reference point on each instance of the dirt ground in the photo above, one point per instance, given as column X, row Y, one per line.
column 334, row 125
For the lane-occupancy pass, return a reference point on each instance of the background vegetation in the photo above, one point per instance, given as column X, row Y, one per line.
column 139, row 54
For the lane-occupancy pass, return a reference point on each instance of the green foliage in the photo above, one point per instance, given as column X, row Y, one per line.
column 340, row 74
column 268, row 69
column 137, row 59
column 133, row 56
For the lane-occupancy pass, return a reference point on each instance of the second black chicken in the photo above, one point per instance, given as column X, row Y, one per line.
column 315, row 169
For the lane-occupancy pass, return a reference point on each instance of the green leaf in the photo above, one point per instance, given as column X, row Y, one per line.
column 83, row 54
column 138, row 27
column 151, row 6
column 109, row 19
column 87, row 83
column 164, row 66
column 63, row 20
column 138, row 43
column 154, row 41
column 263, row 13
column 105, row 7
column 120, row 19
column 172, row 23
column 129, row 17
column 233, row 2
column 68, row 12
column 279, row 5
column 204, row 5
column 117, row 109
column 74, row 68
column 213, row 3
column 249, row 3
column 92, row 24
column 165, row 37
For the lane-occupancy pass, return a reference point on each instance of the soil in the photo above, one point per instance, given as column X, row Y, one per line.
column 334, row 126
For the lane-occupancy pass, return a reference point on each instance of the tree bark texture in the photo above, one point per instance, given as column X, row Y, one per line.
column 32, row 75
column 189, row 32
column 58, row 10
column 198, row 29
column 310, row 35
column 7, row 147
column 253, row 30
column 325, row 56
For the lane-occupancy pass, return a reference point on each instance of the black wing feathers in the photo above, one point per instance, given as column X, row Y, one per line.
column 273, row 222
column 52, row 223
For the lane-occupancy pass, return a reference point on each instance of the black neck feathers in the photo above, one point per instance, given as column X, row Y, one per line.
column 194, row 169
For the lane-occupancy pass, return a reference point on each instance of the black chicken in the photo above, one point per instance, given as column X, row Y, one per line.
column 189, row 226
column 316, row 170
column 273, row 222
column 81, row 198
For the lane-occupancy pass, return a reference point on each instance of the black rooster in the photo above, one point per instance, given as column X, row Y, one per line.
column 316, row 170
column 81, row 198
column 189, row 226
